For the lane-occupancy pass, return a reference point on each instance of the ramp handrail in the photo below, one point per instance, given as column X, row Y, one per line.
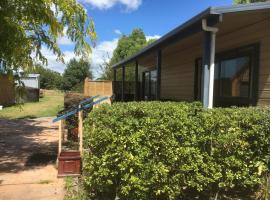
column 89, row 99
column 73, row 112
column 80, row 103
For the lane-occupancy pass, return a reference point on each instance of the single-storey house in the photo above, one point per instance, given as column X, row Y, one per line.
column 220, row 57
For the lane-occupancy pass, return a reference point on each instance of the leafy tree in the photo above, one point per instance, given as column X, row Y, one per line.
column 105, row 69
column 248, row 1
column 75, row 73
column 127, row 46
column 49, row 79
column 28, row 25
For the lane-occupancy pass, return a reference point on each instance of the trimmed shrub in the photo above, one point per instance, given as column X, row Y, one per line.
column 169, row 150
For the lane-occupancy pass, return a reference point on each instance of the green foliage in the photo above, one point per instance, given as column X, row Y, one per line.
column 127, row 46
column 248, row 1
column 70, row 100
column 73, row 189
column 27, row 25
column 106, row 71
column 49, row 79
column 75, row 73
column 167, row 150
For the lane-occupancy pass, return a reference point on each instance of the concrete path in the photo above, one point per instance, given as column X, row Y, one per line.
column 28, row 151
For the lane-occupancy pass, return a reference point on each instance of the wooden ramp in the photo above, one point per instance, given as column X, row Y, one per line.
column 69, row 162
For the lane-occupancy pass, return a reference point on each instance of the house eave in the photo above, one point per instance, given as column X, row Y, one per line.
column 166, row 37
column 211, row 11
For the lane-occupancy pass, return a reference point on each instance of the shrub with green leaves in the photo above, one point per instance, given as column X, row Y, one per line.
column 169, row 150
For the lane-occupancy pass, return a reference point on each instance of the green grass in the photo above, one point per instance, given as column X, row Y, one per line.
column 49, row 105
column 74, row 189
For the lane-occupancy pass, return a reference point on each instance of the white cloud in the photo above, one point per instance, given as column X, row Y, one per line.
column 56, row 12
column 64, row 40
column 106, row 4
column 117, row 32
column 102, row 52
column 52, row 59
column 150, row 37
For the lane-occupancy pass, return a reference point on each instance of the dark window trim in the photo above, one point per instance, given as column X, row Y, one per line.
column 196, row 81
column 148, row 70
column 254, row 53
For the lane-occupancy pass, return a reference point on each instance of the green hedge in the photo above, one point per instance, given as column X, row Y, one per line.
column 166, row 150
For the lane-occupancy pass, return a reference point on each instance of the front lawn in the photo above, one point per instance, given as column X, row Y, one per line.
column 49, row 105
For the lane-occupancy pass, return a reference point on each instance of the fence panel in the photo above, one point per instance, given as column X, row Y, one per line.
column 101, row 88
column 7, row 91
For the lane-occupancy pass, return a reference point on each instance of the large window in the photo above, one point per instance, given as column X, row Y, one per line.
column 150, row 85
column 236, row 74
column 234, row 78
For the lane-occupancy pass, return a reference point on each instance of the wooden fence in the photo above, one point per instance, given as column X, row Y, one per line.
column 102, row 88
column 7, row 91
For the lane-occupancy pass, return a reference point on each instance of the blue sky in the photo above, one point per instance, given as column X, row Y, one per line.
column 115, row 17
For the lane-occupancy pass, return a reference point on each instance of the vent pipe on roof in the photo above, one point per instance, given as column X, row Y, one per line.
column 209, row 68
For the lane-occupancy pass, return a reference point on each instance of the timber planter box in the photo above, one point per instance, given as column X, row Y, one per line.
column 69, row 164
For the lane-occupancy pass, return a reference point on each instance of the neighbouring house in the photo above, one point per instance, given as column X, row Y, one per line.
column 32, row 86
column 7, row 90
column 220, row 57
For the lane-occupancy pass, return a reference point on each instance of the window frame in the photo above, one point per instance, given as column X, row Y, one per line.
column 150, row 70
column 252, row 51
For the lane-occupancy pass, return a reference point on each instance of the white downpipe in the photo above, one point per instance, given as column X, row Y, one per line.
column 212, row 71
column 208, row 98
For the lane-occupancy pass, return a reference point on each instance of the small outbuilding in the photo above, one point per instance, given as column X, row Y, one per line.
column 32, row 86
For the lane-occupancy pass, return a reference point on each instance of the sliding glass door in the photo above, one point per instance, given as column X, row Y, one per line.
column 150, row 85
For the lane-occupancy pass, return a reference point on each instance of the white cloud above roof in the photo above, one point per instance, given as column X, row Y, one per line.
column 150, row 37
column 107, row 4
column 102, row 52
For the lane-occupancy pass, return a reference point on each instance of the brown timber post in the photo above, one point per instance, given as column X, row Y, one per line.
column 81, row 130
column 136, row 80
column 158, row 63
column 60, row 136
